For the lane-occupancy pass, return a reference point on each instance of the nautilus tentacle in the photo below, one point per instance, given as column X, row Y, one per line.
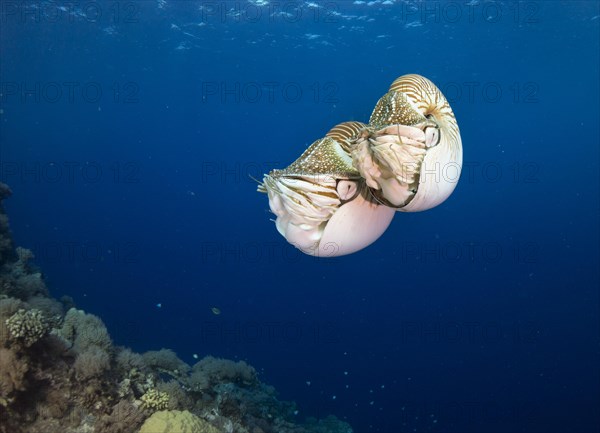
column 321, row 203
column 411, row 153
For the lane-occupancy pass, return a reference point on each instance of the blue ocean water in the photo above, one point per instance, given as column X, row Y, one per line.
column 130, row 134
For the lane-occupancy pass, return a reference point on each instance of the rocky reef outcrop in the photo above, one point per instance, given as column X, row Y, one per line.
column 60, row 371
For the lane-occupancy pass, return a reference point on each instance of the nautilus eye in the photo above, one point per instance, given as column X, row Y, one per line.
column 321, row 203
column 411, row 153
column 347, row 189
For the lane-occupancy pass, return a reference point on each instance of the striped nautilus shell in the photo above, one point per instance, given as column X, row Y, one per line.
column 341, row 194
column 411, row 153
column 323, row 206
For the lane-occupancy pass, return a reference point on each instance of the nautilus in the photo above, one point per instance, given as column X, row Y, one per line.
column 342, row 193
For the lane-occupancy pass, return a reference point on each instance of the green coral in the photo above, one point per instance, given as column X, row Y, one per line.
column 27, row 326
column 155, row 400
column 174, row 421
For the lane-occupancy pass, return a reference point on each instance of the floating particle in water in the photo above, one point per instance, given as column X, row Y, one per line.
column 308, row 383
column 345, row 373
column 413, row 24
column 195, row 356
column 334, row 397
column 159, row 305
column 216, row 311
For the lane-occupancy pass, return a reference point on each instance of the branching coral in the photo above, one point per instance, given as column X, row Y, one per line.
column 27, row 326
column 155, row 400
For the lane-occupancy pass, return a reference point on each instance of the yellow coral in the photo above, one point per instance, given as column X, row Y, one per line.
column 155, row 400
column 27, row 325
column 174, row 421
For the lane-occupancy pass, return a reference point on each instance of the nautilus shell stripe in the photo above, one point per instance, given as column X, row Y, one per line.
column 430, row 101
column 345, row 133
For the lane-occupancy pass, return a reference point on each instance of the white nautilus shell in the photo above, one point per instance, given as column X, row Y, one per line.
column 411, row 153
column 321, row 203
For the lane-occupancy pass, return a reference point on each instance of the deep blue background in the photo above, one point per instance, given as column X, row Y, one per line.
column 480, row 315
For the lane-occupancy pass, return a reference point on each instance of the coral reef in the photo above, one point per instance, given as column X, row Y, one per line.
column 210, row 371
column 91, row 363
column 155, row 400
column 124, row 417
column 166, row 361
column 174, row 421
column 84, row 331
column 27, row 326
column 60, row 372
column 12, row 374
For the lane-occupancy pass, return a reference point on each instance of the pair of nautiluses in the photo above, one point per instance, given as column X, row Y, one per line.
column 342, row 193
